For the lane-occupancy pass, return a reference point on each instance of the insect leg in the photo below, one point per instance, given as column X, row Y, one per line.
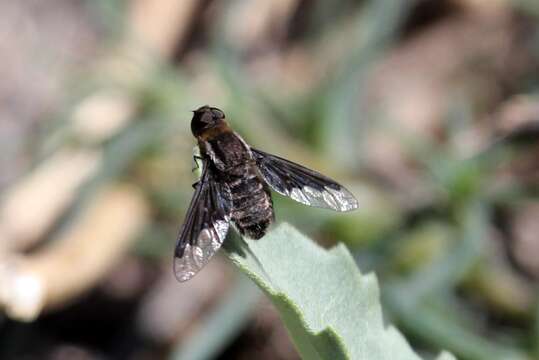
column 195, row 158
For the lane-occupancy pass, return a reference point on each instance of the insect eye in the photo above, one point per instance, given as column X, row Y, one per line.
column 206, row 118
column 217, row 114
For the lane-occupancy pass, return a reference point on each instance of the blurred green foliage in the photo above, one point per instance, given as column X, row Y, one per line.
column 432, row 258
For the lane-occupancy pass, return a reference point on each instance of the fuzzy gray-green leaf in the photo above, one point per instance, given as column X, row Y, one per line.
column 330, row 309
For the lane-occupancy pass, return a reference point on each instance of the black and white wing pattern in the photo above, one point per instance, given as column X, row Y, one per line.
column 302, row 184
column 205, row 227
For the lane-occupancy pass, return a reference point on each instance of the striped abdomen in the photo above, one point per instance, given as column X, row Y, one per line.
column 252, row 211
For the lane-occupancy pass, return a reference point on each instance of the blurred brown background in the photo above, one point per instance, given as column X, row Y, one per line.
column 427, row 110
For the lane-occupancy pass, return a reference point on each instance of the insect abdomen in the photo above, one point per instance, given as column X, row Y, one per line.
column 252, row 207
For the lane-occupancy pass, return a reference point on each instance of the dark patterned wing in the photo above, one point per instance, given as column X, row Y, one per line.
column 302, row 184
column 205, row 227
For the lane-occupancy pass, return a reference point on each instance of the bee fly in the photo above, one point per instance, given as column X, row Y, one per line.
column 235, row 187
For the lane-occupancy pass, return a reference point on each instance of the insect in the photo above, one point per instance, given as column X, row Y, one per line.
column 235, row 188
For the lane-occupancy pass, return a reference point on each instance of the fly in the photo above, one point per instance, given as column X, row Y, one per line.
column 235, row 188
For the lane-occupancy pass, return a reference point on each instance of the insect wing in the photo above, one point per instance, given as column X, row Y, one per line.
column 205, row 227
column 302, row 184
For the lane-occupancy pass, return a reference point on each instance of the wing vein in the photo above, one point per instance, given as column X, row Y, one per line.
column 302, row 184
column 205, row 227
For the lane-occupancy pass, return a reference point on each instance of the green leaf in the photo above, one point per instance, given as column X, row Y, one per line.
column 330, row 309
